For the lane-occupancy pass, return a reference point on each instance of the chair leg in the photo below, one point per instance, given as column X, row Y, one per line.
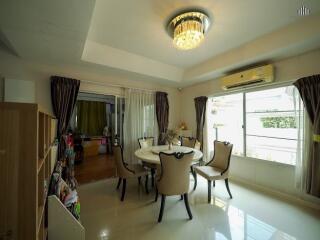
column 139, row 180
column 146, row 184
column 152, row 177
column 186, row 202
column 157, row 193
column 123, row 188
column 194, row 174
column 195, row 181
column 227, row 185
column 213, row 183
column 119, row 182
column 209, row 191
column 163, row 201
column 181, row 197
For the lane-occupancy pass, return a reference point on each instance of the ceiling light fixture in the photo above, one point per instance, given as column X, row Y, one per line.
column 187, row 29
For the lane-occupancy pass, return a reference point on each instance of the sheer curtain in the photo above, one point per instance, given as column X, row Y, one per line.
column 139, row 120
column 304, row 128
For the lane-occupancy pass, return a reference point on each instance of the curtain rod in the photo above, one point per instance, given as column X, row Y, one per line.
column 116, row 85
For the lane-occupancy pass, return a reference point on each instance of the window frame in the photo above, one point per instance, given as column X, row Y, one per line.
column 244, row 91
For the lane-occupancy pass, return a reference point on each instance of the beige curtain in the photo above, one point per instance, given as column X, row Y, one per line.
column 303, row 149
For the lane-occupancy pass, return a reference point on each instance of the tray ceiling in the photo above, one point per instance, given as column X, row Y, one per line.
column 130, row 36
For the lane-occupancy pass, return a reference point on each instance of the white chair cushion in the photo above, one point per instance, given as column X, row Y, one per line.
column 138, row 169
column 210, row 173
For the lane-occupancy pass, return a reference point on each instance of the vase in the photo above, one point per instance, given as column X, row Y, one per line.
column 170, row 146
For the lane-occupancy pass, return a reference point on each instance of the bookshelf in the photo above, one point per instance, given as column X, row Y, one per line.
column 27, row 156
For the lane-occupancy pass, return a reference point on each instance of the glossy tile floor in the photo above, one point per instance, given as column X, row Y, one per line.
column 249, row 215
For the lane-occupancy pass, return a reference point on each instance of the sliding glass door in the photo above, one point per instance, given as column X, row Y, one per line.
column 98, row 115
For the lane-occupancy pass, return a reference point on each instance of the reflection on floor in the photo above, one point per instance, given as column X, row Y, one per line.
column 250, row 215
column 95, row 168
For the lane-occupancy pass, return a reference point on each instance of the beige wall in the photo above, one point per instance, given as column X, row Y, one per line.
column 269, row 175
column 14, row 68
column 286, row 70
column 181, row 104
column 16, row 90
column 94, row 80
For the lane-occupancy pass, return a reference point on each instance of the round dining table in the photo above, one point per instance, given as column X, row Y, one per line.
column 151, row 154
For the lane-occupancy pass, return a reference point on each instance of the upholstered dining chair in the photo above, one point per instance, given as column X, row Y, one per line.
column 125, row 170
column 176, row 142
column 188, row 142
column 192, row 143
column 144, row 143
column 218, row 167
column 173, row 178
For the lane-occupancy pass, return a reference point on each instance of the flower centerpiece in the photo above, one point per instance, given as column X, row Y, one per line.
column 183, row 126
column 170, row 136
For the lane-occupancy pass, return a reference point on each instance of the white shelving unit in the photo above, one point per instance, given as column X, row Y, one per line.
column 61, row 223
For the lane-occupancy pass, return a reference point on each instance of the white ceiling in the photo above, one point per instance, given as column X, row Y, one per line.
column 139, row 26
column 130, row 36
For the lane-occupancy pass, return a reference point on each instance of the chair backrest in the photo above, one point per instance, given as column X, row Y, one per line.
column 197, row 145
column 222, row 155
column 174, row 176
column 122, row 170
column 176, row 142
column 188, row 142
column 146, row 142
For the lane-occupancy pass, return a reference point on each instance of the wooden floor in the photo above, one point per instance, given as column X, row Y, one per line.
column 95, row 168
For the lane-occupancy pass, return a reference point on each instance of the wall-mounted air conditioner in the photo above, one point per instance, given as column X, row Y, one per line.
column 255, row 76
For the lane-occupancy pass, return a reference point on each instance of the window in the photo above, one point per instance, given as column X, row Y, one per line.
column 226, row 121
column 261, row 124
column 271, row 125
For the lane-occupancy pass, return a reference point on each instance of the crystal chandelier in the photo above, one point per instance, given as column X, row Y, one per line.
column 188, row 29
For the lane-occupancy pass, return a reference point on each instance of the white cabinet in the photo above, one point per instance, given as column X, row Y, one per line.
column 62, row 224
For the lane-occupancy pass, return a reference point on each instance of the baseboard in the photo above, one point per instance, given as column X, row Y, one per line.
column 281, row 195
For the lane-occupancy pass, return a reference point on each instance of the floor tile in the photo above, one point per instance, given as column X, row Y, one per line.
column 249, row 215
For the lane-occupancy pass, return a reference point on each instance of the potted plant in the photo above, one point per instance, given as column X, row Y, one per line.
column 171, row 134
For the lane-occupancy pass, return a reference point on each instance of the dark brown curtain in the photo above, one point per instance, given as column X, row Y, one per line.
column 162, row 112
column 200, row 104
column 309, row 89
column 64, row 92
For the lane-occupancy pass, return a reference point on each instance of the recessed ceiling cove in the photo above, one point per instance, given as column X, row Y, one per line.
column 131, row 38
column 131, row 35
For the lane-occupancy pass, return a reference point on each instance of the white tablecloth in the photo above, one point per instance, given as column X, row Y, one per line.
column 150, row 155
